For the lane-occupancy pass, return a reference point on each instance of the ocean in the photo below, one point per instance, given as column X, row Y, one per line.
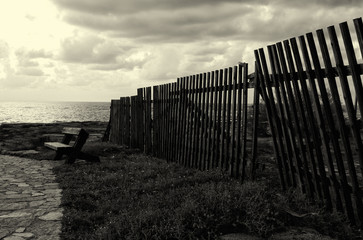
column 51, row 112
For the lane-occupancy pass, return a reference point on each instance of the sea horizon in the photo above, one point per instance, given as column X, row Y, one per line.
column 53, row 111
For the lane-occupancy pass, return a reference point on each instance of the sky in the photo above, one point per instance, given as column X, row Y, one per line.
column 90, row 50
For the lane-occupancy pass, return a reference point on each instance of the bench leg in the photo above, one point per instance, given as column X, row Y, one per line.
column 71, row 157
column 88, row 157
column 58, row 155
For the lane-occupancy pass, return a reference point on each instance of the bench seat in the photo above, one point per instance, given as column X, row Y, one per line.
column 57, row 146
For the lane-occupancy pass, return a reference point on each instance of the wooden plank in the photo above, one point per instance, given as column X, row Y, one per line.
column 358, row 24
column 295, row 128
column 117, row 124
column 210, row 122
column 169, row 119
column 239, row 121
column 295, row 164
column 122, row 117
column 322, row 138
column 341, row 124
column 276, row 120
column 220, row 138
column 134, row 121
column 192, row 110
column 304, row 124
column 207, row 123
column 148, row 121
column 330, row 121
column 202, row 126
column 183, row 120
column 140, row 119
column 113, row 121
column 255, row 119
column 244, row 121
column 174, row 110
column 283, row 114
column 167, row 122
column 161, row 121
column 57, row 145
column 268, row 107
column 215, row 121
column 187, row 121
column 179, row 120
column 197, row 121
column 233, row 164
column 224, row 165
column 357, row 87
column 228, row 120
column 350, row 109
column 155, row 121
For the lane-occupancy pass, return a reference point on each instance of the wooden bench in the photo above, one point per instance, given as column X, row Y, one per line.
column 72, row 151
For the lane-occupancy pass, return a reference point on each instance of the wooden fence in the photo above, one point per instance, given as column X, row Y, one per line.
column 313, row 102
column 317, row 138
column 199, row 121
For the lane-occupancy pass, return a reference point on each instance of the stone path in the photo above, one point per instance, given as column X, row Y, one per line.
column 29, row 199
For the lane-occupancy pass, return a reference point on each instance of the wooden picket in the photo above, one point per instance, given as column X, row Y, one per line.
column 313, row 146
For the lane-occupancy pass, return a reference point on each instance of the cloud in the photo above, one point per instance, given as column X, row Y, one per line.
column 30, row 72
column 179, row 24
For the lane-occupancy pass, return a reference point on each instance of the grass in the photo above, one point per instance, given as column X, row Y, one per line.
column 133, row 196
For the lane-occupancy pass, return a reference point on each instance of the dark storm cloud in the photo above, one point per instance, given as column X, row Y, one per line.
column 127, row 7
column 175, row 21
column 176, row 25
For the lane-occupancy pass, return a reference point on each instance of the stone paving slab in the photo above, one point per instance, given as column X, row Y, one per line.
column 30, row 199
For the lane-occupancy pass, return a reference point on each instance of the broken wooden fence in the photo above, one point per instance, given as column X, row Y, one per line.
column 317, row 137
column 314, row 103
column 199, row 121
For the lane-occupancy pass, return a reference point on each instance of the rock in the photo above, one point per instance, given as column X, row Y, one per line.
column 20, row 230
column 13, row 238
column 52, row 216
column 16, row 215
column 239, row 236
column 25, row 235
column 13, row 206
column 300, row 234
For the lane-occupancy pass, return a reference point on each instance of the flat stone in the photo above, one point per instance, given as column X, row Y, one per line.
column 16, row 215
column 299, row 233
column 13, row 206
column 14, row 238
column 239, row 236
column 20, row 230
column 52, row 216
column 25, row 235
column 23, row 185
column 36, row 203
column 37, row 194
column 10, row 192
